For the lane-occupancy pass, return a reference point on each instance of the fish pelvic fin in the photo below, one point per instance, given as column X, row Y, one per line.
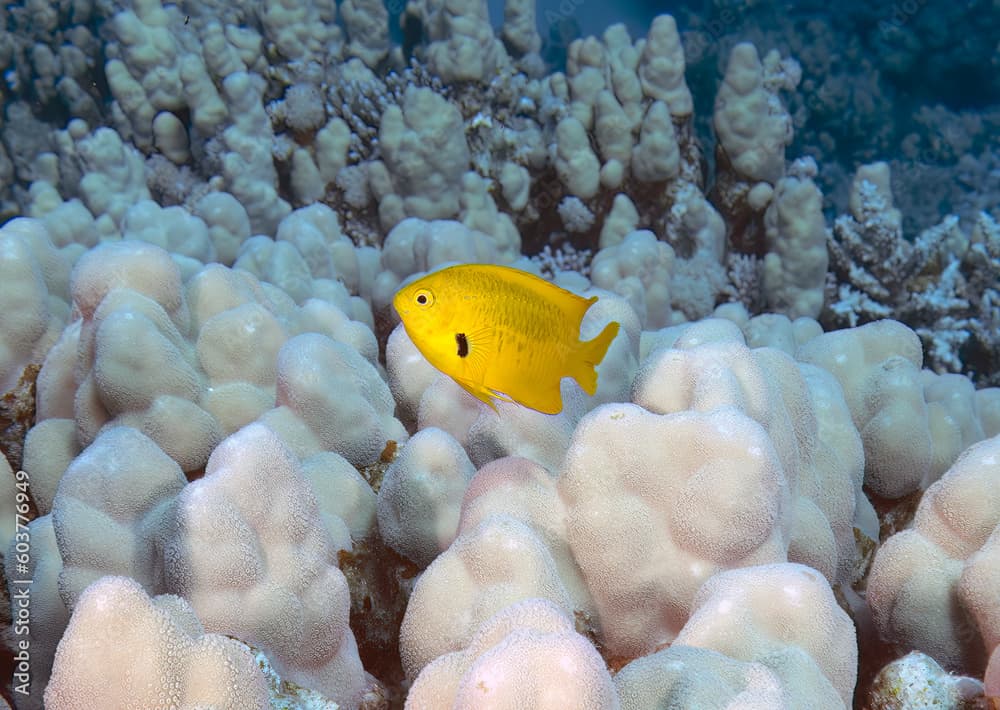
column 478, row 391
column 590, row 355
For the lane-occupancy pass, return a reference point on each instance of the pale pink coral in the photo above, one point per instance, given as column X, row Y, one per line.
column 526, row 655
column 124, row 649
column 657, row 504
column 784, row 616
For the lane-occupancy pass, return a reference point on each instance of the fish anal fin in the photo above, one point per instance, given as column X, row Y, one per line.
column 547, row 400
column 589, row 355
column 542, row 397
column 531, row 388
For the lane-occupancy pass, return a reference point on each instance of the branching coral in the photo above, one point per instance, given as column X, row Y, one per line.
column 943, row 284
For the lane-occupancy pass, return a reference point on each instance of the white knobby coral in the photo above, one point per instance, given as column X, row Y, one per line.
column 499, row 562
column 421, row 494
column 251, row 554
column 933, row 586
column 768, row 386
column 878, row 367
column 120, row 488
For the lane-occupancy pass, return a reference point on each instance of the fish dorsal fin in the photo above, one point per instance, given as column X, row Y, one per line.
column 572, row 305
column 587, row 303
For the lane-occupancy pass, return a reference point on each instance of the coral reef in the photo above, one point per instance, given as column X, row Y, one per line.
column 230, row 478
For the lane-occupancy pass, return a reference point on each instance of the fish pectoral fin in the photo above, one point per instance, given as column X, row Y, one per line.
column 479, row 344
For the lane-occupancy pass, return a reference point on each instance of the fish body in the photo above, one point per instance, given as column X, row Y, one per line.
column 502, row 333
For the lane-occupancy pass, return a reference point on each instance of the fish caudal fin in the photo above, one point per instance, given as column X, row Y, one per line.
column 589, row 355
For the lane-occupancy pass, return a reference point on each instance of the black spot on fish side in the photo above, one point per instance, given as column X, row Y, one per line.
column 463, row 344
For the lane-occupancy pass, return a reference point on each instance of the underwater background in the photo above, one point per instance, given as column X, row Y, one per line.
column 233, row 478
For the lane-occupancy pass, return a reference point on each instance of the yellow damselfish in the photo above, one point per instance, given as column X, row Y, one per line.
column 502, row 333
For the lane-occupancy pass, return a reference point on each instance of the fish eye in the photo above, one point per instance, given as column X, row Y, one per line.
column 424, row 297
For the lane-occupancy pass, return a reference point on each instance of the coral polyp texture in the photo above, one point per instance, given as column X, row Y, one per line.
column 231, row 479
